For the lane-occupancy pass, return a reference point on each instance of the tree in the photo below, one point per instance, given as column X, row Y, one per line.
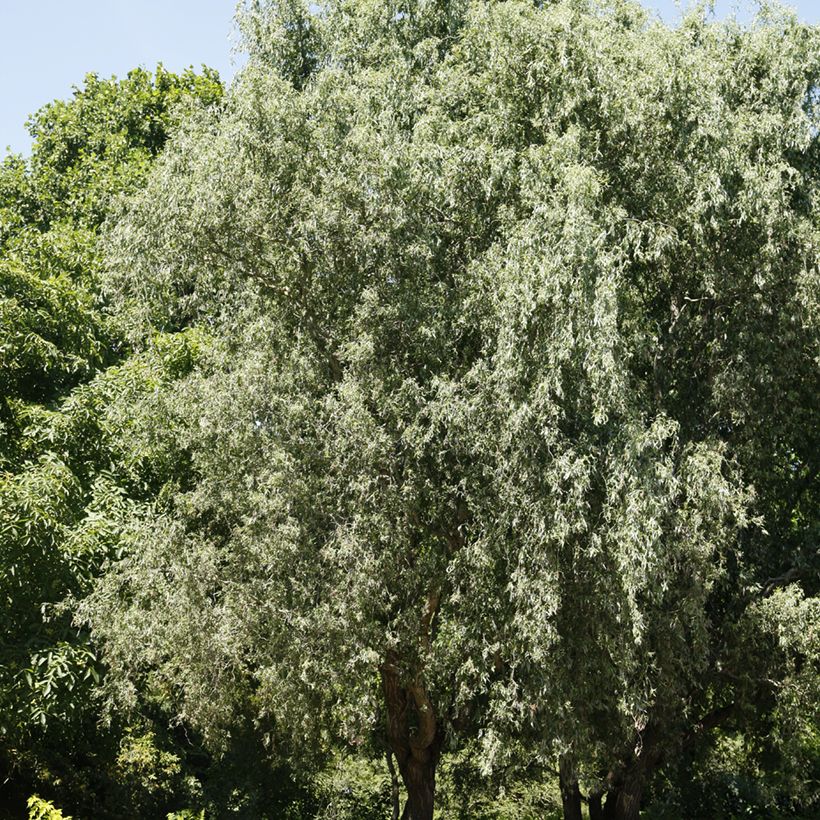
column 511, row 430
column 64, row 481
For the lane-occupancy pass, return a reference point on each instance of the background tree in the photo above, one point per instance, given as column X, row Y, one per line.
column 65, row 480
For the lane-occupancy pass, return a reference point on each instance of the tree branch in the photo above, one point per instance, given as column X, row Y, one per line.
column 710, row 720
column 793, row 574
column 426, row 733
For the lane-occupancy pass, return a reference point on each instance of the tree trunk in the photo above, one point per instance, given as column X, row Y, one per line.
column 570, row 791
column 596, row 805
column 419, row 776
column 415, row 739
column 628, row 806
column 610, row 806
column 625, row 799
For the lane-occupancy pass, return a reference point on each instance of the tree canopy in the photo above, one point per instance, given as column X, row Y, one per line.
column 508, row 433
column 444, row 393
column 65, row 480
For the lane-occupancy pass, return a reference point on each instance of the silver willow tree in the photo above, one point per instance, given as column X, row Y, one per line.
column 509, row 426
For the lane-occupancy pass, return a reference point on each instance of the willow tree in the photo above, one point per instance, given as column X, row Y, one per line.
column 512, row 429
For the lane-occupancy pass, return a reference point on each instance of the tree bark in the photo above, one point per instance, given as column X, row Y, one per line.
column 416, row 743
column 596, row 805
column 628, row 806
column 626, row 797
column 419, row 776
column 570, row 791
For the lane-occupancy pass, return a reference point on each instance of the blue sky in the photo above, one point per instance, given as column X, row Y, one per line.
column 47, row 46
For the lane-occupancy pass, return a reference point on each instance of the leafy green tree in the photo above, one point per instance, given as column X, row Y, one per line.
column 64, row 481
column 510, row 430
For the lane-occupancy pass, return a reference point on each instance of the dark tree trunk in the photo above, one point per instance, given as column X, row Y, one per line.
column 628, row 806
column 596, row 806
column 570, row 792
column 624, row 801
column 610, row 810
column 415, row 740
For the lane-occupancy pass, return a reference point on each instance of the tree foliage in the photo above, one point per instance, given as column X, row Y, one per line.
column 435, row 409
column 65, row 479
column 509, row 433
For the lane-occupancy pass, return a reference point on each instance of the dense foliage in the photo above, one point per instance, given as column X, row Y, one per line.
column 66, row 478
column 438, row 415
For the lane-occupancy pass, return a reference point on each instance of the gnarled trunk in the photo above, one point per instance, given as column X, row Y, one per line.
column 624, row 801
column 415, row 740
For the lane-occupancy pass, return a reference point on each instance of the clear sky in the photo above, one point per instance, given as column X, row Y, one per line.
column 47, row 46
